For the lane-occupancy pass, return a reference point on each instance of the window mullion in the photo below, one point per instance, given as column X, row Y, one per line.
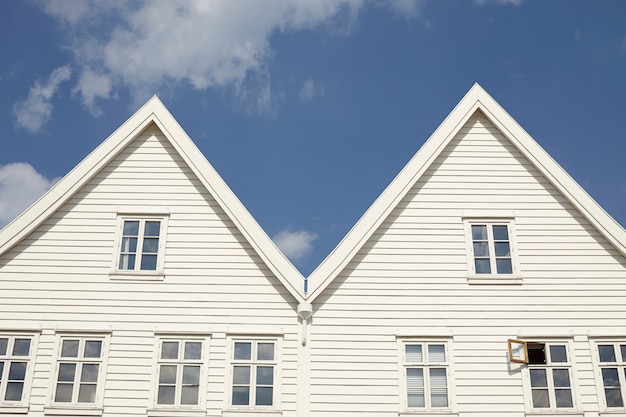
column 140, row 237
column 492, row 249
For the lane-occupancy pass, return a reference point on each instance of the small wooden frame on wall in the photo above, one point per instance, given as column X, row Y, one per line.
column 518, row 351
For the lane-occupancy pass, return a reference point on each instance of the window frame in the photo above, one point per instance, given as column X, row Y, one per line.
column 621, row 371
column 136, row 273
column 426, row 365
column 254, row 363
column 22, row 405
column 515, row 277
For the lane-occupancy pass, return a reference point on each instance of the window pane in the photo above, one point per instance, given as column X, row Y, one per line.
column 167, row 374
column 607, row 353
column 1, row 368
column 3, row 345
column 482, row 266
column 17, row 371
column 131, row 228
column 416, row 400
column 21, row 347
column 66, row 372
column 93, row 348
column 561, row 378
column 89, row 373
column 87, row 393
column 189, row 395
column 540, row 398
column 538, row 378
column 479, row 232
column 241, row 375
column 243, row 350
column 504, row 266
column 438, row 387
column 536, row 353
column 436, row 353
column 127, row 261
column 264, row 395
column 191, row 374
column 502, row 249
column 69, row 349
column 166, row 395
column 241, row 395
column 613, row 397
column 481, row 249
column 152, row 228
column 265, row 351
column 150, row 245
column 64, row 393
column 148, row 262
column 558, row 353
column 129, row 244
column 500, row 232
column 413, row 353
column 169, row 350
column 14, row 391
column 193, row 350
column 439, row 399
column 564, row 398
column 415, row 387
column 609, row 377
column 265, row 375
column 623, row 351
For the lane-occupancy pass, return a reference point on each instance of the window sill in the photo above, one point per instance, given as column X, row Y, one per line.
column 547, row 413
column 72, row 411
column 137, row 276
column 447, row 412
column 13, row 409
column 166, row 412
column 252, row 412
column 493, row 279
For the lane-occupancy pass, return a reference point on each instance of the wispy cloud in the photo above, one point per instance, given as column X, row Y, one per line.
column 295, row 244
column 20, row 186
column 310, row 89
column 35, row 111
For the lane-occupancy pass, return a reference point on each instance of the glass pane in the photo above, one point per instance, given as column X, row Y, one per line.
column 609, row 377
column 1, row 368
column 69, row 349
column 190, row 395
column 561, row 378
column 167, row 374
column 502, row 249
column 482, row 266
column 623, row 351
column 538, row 378
column 87, row 393
column 613, row 397
column 536, row 353
column 265, row 375
column 17, row 371
column 540, row 398
column 504, row 266
column 14, row 391
column 264, row 395
column 413, row 353
column 3, row 345
column 148, row 262
column 127, row 261
column 169, row 350
column 193, row 350
column 415, row 387
column 265, row 351
column 436, row 353
column 481, row 249
column 93, row 348
column 21, row 347
column 191, row 374
column 89, row 373
column 243, row 350
column 152, row 228
column 66, row 372
column 438, row 378
column 166, row 395
column 564, row 398
column 64, row 393
column 479, row 232
column 500, row 232
column 607, row 353
column 415, row 399
column 151, row 245
column 439, row 399
column 241, row 395
column 131, row 228
column 129, row 244
column 241, row 375
column 558, row 353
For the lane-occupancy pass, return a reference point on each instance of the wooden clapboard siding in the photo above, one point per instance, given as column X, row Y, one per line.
column 410, row 278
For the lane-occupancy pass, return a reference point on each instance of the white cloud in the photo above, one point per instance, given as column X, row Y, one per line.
column 405, row 8
column 20, row 186
column 310, row 90
column 92, row 86
column 36, row 110
column 295, row 245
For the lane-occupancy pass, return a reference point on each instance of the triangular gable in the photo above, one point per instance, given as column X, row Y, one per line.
column 477, row 99
column 155, row 112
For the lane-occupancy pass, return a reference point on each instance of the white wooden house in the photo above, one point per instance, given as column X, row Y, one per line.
column 483, row 282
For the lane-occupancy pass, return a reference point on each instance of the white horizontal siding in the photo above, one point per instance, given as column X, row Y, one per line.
column 410, row 278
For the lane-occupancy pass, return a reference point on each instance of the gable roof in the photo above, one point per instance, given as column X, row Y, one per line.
column 475, row 99
column 155, row 112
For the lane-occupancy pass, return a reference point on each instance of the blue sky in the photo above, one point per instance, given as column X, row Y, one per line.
column 309, row 109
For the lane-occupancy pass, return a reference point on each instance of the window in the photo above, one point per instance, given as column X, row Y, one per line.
column 254, row 368
column 15, row 352
column 180, row 364
column 612, row 366
column 139, row 249
column 425, row 373
column 550, row 376
column 79, row 370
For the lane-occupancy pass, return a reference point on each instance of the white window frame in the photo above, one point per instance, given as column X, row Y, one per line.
column 426, row 364
column 274, row 408
column 91, row 408
column 619, row 364
column 493, row 277
column 180, row 362
column 117, row 271
column 21, row 405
